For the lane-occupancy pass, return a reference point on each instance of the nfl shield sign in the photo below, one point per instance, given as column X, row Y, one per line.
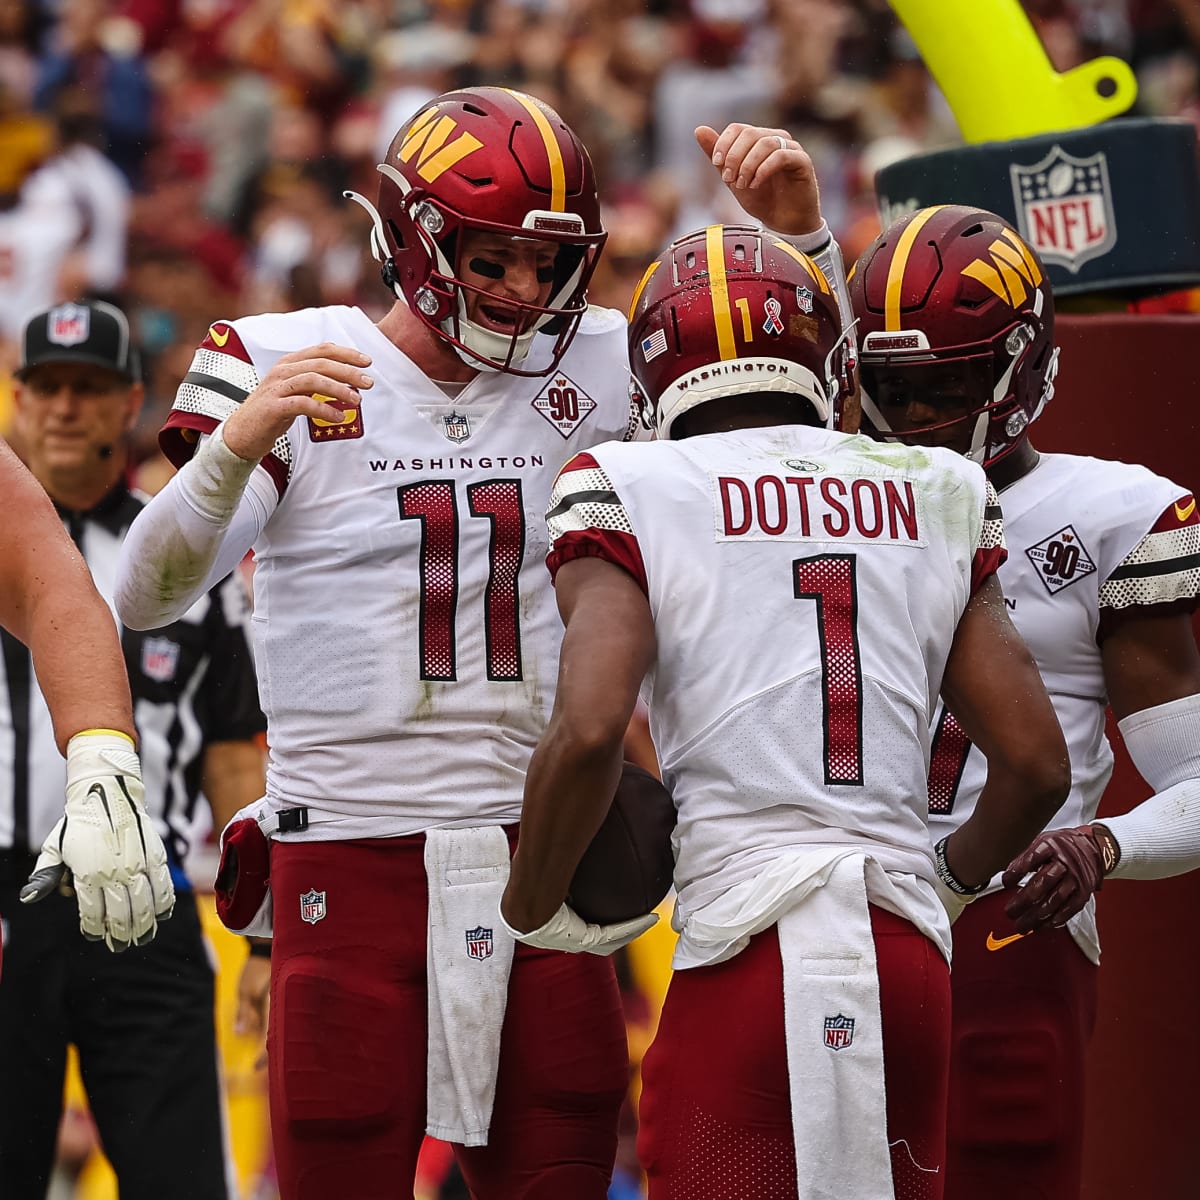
column 839, row 1031
column 1064, row 207
column 456, row 427
column 160, row 658
column 68, row 324
column 479, row 942
column 312, row 907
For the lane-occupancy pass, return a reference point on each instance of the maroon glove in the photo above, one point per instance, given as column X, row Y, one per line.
column 1068, row 865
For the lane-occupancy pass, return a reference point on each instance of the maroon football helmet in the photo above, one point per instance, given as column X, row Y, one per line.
column 731, row 310
column 498, row 161
column 953, row 299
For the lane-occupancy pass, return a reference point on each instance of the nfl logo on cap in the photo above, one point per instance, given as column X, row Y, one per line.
column 92, row 333
column 68, row 324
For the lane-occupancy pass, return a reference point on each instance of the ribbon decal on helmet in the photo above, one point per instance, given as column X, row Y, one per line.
column 773, row 324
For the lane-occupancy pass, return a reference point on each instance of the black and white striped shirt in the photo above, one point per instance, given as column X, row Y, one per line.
column 193, row 683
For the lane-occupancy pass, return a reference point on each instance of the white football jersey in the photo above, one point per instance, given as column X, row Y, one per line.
column 406, row 639
column 806, row 586
column 1087, row 538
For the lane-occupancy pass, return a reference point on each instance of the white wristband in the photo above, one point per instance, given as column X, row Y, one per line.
column 213, row 481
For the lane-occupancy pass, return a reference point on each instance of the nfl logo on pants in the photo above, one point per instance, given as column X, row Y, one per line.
column 312, row 906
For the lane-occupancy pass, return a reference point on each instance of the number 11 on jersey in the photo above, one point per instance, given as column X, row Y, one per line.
column 435, row 504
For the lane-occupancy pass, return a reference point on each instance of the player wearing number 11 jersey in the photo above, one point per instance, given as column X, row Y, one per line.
column 392, row 479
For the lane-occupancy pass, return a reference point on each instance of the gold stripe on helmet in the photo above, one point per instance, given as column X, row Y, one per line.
column 714, row 248
column 895, row 279
column 558, row 174
column 641, row 287
column 808, row 264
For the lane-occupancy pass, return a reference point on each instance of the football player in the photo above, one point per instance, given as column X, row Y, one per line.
column 956, row 327
column 796, row 598
column 391, row 479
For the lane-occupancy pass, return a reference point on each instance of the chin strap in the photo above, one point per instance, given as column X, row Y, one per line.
column 379, row 251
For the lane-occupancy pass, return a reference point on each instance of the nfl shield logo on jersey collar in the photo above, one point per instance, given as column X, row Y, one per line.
column 312, row 907
column 456, row 426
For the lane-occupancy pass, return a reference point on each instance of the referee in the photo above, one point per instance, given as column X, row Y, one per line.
column 142, row 1021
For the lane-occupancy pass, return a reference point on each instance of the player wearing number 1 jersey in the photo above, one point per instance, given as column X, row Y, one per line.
column 391, row 479
column 796, row 599
column 956, row 321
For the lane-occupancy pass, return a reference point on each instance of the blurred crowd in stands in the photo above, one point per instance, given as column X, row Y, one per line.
column 188, row 157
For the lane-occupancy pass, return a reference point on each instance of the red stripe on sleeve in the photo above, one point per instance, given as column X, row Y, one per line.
column 180, row 435
column 620, row 549
column 1178, row 515
column 985, row 564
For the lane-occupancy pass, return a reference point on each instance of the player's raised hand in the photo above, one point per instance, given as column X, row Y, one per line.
column 769, row 174
column 324, row 381
column 106, row 846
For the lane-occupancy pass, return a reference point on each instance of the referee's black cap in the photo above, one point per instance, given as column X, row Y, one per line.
column 90, row 331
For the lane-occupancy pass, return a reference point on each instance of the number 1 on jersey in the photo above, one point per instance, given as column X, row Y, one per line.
column 832, row 581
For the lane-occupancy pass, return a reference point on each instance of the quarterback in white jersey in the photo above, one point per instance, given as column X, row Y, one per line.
column 956, row 320
column 398, row 569
column 391, row 479
column 795, row 598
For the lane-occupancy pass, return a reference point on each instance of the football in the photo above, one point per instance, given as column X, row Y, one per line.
column 627, row 868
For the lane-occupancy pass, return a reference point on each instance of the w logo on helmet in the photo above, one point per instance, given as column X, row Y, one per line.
column 1011, row 272
column 426, row 138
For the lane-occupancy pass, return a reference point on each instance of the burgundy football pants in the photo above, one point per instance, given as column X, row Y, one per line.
column 716, row 1113
column 347, row 1043
column 1023, row 1017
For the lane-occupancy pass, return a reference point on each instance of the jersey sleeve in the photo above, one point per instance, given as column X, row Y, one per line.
column 991, row 552
column 222, row 375
column 1163, row 569
column 586, row 518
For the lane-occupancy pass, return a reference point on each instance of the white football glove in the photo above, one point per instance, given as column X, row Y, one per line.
column 568, row 931
column 106, row 847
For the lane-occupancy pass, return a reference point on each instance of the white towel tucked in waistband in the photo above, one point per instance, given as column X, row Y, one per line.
column 834, row 1041
column 468, row 958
